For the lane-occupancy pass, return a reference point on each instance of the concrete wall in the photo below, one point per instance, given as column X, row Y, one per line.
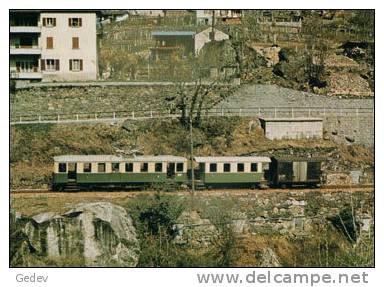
column 276, row 129
column 62, row 46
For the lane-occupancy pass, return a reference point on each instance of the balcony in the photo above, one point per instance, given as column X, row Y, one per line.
column 26, row 75
column 31, row 72
column 25, row 29
column 25, row 50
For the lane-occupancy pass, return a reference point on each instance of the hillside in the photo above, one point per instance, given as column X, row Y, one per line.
column 330, row 52
column 33, row 146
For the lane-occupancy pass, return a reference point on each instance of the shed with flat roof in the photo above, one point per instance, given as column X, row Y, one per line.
column 292, row 128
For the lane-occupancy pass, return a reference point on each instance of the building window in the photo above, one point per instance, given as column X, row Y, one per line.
column 49, row 42
column 101, row 167
column 75, row 42
column 74, row 22
column 128, row 167
column 158, row 167
column 50, row 65
column 49, row 22
column 227, row 167
column 180, row 167
column 87, row 167
column 62, row 167
column 254, row 167
column 115, row 167
column 144, row 167
column 26, row 66
column 240, row 167
column 213, row 167
column 76, row 65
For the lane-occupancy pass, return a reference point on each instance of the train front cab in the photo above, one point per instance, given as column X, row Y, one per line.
column 295, row 171
column 64, row 175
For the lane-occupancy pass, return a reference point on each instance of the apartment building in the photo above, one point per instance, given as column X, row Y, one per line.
column 49, row 45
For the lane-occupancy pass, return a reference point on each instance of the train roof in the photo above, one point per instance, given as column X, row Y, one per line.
column 232, row 159
column 298, row 158
column 114, row 158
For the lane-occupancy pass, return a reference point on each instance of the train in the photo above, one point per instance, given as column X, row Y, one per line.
column 94, row 172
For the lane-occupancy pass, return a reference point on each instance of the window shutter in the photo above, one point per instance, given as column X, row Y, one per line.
column 81, row 64
column 70, row 65
column 49, row 42
column 44, row 22
column 57, row 65
column 42, row 64
column 54, row 22
column 80, row 22
column 69, row 22
column 75, row 42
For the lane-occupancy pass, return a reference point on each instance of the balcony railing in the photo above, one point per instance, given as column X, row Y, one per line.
column 25, row 50
column 25, row 29
column 27, row 75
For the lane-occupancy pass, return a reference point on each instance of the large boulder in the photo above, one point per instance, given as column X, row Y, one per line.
column 97, row 234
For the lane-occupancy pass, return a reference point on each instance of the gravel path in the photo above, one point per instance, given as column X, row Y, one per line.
column 275, row 96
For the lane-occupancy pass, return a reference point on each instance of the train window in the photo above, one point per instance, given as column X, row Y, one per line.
column 240, row 167
column 101, row 167
column 87, row 167
column 213, row 167
column 179, row 167
column 128, row 167
column 254, row 167
column 115, row 167
column 227, row 167
column 144, row 167
column 158, row 167
column 62, row 167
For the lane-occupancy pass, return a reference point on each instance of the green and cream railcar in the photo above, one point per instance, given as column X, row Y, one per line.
column 227, row 171
column 73, row 172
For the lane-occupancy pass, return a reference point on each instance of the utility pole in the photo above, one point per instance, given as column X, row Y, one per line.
column 213, row 26
column 192, row 169
column 149, row 58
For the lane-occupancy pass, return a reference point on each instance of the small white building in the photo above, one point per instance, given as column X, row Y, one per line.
column 292, row 128
column 205, row 17
column 53, row 45
column 208, row 35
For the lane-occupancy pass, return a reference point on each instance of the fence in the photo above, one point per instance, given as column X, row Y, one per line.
column 116, row 116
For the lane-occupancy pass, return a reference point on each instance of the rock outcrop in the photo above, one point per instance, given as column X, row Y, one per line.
column 97, row 234
column 193, row 230
column 269, row 258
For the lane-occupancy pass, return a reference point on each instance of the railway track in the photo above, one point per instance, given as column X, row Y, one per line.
column 328, row 188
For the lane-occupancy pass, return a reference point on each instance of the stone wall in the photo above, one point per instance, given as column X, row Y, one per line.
column 284, row 213
column 88, row 99
column 358, row 129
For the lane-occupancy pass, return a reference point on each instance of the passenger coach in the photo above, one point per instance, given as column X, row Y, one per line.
column 227, row 171
column 72, row 172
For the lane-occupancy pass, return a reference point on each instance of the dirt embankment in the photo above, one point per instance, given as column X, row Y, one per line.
column 34, row 146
